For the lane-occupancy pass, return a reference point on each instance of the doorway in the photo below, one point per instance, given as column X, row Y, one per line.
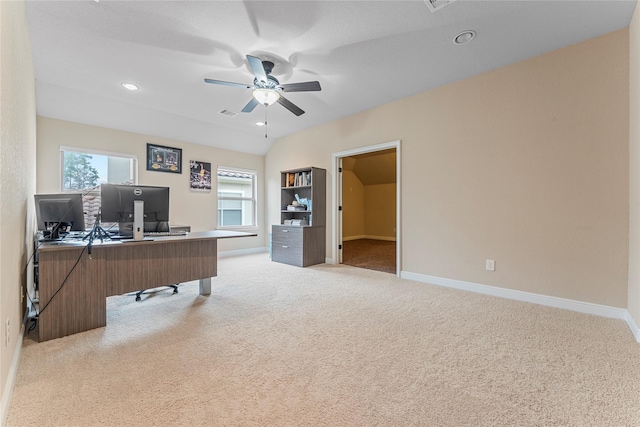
column 367, row 207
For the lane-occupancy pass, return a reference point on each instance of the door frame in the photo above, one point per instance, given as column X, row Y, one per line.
column 336, row 223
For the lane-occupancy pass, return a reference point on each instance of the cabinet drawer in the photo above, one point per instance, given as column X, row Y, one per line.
column 287, row 236
column 287, row 255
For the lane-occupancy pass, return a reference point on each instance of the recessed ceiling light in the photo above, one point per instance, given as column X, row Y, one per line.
column 464, row 37
column 130, row 86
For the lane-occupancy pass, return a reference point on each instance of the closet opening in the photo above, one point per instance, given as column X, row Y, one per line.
column 367, row 214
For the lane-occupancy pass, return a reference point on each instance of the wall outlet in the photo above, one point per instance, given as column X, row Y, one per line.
column 490, row 265
column 7, row 332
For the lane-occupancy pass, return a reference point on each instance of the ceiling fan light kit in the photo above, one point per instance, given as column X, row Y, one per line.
column 266, row 97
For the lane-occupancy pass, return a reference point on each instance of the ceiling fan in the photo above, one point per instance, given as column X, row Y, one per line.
column 267, row 89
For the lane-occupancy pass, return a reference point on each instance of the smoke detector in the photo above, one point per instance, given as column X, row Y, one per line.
column 435, row 5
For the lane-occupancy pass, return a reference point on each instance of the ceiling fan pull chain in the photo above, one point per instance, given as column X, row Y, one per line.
column 265, row 120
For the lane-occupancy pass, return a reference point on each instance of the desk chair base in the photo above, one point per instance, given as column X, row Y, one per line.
column 139, row 293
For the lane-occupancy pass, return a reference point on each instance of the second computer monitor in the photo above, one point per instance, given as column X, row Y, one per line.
column 59, row 213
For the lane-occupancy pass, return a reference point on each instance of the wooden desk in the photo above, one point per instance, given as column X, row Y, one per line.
column 115, row 268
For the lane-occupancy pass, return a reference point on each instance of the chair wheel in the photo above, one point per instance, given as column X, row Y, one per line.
column 175, row 290
column 138, row 298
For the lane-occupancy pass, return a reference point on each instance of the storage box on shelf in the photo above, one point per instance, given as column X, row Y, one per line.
column 300, row 238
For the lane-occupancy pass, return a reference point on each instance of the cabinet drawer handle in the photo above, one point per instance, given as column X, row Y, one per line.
column 286, row 247
column 285, row 231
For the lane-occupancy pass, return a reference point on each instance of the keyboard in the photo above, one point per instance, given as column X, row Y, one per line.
column 165, row 233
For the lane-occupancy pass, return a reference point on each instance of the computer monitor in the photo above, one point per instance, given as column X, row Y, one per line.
column 59, row 213
column 117, row 205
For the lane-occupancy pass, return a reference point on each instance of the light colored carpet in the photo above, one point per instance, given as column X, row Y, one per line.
column 275, row 345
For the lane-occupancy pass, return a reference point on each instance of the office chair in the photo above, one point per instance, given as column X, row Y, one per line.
column 139, row 293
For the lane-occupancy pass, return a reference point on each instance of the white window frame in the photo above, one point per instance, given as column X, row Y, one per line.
column 253, row 199
column 228, row 197
column 64, row 148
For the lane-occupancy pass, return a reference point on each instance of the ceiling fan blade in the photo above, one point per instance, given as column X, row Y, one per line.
column 250, row 106
column 301, row 87
column 258, row 68
column 290, row 106
column 221, row 82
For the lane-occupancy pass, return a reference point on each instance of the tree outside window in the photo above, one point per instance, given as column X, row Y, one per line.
column 79, row 174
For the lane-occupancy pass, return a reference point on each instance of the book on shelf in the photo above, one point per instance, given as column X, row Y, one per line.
column 297, row 179
column 291, row 180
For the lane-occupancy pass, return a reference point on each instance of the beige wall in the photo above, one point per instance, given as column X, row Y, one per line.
column 352, row 206
column 634, row 168
column 380, row 211
column 526, row 165
column 197, row 209
column 17, row 182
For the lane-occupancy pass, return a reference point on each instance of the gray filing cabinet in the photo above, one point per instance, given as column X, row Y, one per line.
column 298, row 245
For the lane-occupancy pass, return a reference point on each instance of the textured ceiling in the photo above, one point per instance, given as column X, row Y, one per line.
column 363, row 54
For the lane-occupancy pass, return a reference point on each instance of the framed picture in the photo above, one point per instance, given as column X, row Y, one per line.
column 164, row 159
column 200, row 179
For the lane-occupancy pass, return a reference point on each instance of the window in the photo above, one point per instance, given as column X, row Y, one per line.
column 84, row 169
column 236, row 198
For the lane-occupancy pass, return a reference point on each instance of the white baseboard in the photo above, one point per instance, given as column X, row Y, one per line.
column 632, row 325
column 11, row 379
column 385, row 238
column 550, row 301
column 242, row 252
column 347, row 238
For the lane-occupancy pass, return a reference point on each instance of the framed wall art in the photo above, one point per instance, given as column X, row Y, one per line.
column 164, row 159
column 200, row 179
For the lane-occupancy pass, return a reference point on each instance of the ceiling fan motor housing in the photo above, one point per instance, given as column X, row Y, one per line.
column 271, row 83
column 268, row 66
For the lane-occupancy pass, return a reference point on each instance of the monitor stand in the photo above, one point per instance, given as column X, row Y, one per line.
column 54, row 230
column 138, row 220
